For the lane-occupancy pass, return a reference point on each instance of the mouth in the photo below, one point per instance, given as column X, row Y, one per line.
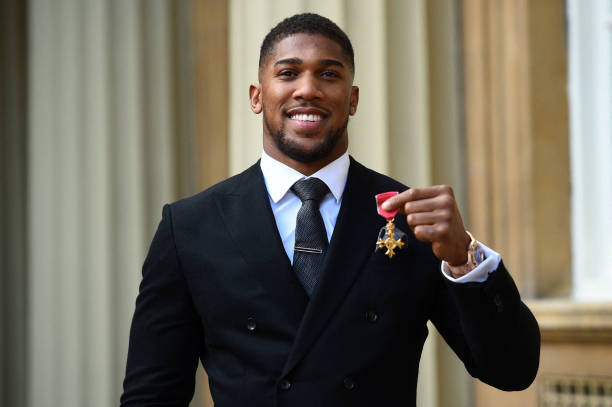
column 307, row 118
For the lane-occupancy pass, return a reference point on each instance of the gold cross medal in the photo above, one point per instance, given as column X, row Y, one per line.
column 389, row 237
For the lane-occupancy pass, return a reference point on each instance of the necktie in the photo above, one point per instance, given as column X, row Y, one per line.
column 310, row 235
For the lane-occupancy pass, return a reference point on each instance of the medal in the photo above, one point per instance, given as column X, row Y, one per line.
column 388, row 237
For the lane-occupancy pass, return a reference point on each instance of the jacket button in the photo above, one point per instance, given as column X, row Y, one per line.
column 372, row 316
column 251, row 324
column 284, row 384
column 498, row 302
column 349, row 384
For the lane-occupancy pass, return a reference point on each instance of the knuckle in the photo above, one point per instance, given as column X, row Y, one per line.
column 423, row 231
column 446, row 214
column 418, row 232
column 442, row 229
column 447, row 189
column 447, row 201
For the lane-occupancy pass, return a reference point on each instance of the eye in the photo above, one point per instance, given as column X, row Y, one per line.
column 286, row 73
column 329, row 74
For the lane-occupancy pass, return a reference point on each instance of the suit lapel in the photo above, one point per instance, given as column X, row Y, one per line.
column 351, row 244
column 250, row 222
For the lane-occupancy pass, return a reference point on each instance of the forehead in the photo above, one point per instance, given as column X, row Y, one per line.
column 307, row 47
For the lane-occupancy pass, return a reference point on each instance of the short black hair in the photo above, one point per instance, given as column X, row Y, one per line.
column 307, row 23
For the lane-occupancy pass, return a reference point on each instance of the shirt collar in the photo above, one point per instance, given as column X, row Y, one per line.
column 280, row 177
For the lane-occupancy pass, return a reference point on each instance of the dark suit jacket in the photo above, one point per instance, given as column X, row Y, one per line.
column 217, row 285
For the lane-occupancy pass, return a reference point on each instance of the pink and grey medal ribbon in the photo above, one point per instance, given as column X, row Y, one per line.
column 389, row 239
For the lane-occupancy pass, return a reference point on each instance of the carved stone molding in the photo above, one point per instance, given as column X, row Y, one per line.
column 573, row 322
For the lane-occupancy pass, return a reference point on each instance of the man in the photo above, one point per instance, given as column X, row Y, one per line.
column 272, row 279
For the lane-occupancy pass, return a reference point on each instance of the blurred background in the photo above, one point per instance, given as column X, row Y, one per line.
column 108, row 109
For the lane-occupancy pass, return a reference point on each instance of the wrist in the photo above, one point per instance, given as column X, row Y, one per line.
column 462, row 255
column 475, row 256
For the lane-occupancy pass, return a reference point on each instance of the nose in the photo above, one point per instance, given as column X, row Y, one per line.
column 307, row 88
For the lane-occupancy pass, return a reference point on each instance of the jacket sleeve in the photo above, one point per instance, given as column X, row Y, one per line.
column 490, row 329
column 166, row 335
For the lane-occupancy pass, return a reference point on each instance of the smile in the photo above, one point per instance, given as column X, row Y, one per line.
column 306, row 117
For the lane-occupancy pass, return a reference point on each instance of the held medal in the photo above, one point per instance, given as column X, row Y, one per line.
column 390, row 237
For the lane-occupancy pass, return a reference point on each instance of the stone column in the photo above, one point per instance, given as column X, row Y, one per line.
column 100, row 166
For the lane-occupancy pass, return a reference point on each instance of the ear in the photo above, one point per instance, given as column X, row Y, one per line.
column 354, row 100
column 255, row 98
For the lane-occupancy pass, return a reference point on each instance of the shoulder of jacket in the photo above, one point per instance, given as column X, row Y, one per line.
column 227, row 186
column 381, row 181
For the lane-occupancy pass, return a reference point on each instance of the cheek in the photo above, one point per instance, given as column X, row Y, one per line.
column 275, row 96
column 342, row 99
column 343, row 107
column 272, row 112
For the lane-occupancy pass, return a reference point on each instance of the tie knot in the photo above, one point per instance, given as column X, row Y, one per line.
column 310, row 189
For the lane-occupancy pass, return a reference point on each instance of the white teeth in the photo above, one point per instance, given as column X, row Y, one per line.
column 307, row 117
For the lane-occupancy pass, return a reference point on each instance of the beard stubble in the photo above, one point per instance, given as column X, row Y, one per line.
column 294, row 151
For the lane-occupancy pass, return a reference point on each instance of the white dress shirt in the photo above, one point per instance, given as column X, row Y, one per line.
column 285, row 205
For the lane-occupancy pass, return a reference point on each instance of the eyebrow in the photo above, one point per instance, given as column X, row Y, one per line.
column 298, row 61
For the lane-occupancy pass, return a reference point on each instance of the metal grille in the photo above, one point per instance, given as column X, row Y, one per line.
column 575, row 391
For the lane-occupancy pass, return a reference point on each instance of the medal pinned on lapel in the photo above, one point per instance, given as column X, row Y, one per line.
column 389, row 237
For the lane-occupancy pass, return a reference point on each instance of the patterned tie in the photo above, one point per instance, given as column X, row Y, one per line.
column 310, row 235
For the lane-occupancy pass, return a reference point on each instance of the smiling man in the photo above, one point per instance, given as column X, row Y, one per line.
column 308, row 99
column 287, row 284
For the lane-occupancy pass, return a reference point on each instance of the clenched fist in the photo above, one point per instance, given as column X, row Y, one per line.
column 433, row 216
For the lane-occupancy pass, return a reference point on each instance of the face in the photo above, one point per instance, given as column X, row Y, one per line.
column 306, row 95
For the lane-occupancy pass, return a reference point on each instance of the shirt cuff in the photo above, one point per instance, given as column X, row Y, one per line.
column 480, row 272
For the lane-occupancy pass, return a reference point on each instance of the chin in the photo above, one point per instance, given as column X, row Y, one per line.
column 304, row 149
column 304, row 154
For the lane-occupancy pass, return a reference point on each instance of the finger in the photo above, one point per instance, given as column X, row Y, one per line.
column 398, row 201
column 395, row 202
column 431, row 233
column 428, row 218
column 440, row 202
column 415, row 194
column 425, row 205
